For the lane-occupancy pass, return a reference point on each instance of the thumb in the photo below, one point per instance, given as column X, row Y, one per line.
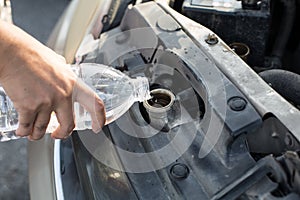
column 90, row 101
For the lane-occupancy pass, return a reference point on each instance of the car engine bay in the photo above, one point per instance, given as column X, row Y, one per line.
column 223, row 122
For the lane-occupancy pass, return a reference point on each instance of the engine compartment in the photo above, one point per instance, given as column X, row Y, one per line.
column 214, row 129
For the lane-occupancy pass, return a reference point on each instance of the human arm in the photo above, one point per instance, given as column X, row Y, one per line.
column 39, row 82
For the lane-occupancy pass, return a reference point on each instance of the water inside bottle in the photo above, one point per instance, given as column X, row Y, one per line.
column 116, row 89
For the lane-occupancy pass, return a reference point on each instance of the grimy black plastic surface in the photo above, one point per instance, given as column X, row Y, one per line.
column 205, row 176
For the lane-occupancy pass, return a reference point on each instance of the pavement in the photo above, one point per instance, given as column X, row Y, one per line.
column 37, row 17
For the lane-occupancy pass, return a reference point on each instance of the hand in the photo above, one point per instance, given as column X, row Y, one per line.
column 39, row 81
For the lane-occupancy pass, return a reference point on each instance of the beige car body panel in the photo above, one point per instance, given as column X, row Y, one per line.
column 80, row 18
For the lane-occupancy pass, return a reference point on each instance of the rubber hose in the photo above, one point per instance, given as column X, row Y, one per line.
column 286, row 83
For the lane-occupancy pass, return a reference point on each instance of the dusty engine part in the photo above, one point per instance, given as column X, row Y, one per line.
column 236, row 23
column 160, row 109
column 229, row 136
column 241, row 49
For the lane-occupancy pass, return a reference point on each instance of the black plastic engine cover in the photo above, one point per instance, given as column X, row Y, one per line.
column 251, row 27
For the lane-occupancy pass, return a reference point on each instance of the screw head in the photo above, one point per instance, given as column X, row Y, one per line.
column 211, row 39
column 179, row 171
column 237, row 103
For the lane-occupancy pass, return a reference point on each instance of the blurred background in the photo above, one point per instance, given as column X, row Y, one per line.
column 38, row 18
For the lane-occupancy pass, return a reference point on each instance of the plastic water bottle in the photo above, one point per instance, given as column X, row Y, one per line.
column 117, row 90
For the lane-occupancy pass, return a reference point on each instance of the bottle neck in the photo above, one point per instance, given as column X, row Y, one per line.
column 141, row 89
column 140, row 84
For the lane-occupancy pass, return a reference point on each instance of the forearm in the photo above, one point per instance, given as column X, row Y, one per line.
column 6, row 44
column 14, row 42
column 39, row 82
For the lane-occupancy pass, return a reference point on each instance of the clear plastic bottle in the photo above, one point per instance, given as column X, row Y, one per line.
column 117, row 90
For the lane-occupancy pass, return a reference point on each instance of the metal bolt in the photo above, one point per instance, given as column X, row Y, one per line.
column 179, row 171
column 237, row 103
column 211, row 39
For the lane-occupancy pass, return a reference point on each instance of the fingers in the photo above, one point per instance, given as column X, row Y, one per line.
column 97, row 112
column 34, row 123
column 40, row 125
column 92, row 103
column 26, row 121
column 65, row 118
